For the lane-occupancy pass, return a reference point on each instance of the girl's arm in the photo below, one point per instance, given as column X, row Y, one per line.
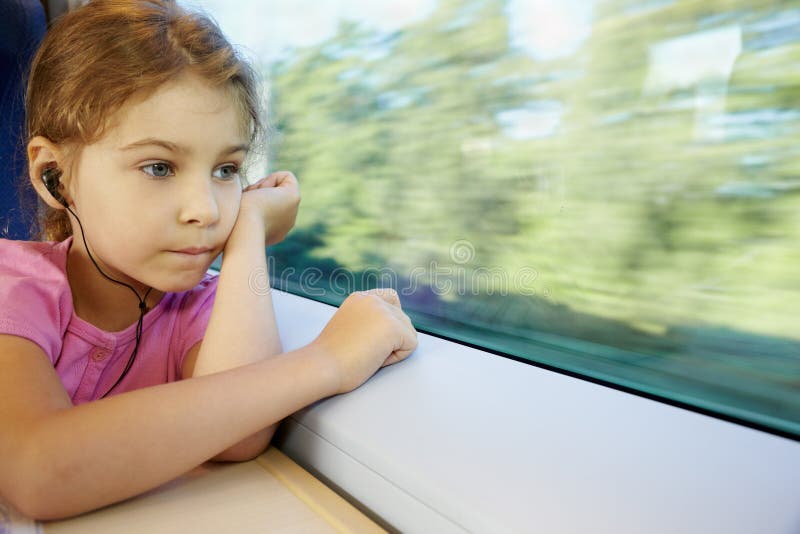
column 242, row 327
column 57, row 460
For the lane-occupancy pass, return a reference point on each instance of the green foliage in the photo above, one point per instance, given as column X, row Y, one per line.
column 655, row 216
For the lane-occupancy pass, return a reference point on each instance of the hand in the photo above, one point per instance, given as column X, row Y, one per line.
column 367, row 332
column 275, row 199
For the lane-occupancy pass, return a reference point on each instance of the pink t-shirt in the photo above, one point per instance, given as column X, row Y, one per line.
column 36, row 303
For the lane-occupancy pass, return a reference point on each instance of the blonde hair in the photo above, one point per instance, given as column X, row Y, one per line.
column 95, row 58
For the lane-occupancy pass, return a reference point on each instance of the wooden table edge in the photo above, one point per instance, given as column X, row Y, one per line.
column 330, row 506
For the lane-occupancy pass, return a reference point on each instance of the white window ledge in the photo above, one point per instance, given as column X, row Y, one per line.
column 454, row 439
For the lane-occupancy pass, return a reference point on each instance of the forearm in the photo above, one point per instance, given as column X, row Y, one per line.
column 242, row 327
column 102, row 452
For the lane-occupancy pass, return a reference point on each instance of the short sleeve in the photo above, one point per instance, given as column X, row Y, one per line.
column 34, row 299
column 193, row 316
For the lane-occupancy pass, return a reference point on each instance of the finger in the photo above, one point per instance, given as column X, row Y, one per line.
column 405, row 320
column 390, row 297
column 267, row 181
column 279, row 177
column 400, row 354
column 286, row 179
column 398, row 313
column 388, row 294
column 409, row 325
column 253, row 186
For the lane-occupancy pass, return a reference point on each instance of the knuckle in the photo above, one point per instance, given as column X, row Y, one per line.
column 351, row 298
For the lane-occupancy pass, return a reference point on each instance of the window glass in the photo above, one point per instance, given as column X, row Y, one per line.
column 609, row 188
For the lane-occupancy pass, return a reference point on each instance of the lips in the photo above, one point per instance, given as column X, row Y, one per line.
column 194, row 251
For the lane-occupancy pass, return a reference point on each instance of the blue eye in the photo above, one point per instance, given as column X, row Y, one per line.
column 227, row 172
column 158, row 170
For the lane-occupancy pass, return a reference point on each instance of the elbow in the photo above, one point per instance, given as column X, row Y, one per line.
column 32, row 488
column 249, row 448
column 19, row 502
column 32, row 510
column 242, row 452
column 234, row 455
column 20, row 488
column 34, row 501
column 31, row 502
column 44, row 502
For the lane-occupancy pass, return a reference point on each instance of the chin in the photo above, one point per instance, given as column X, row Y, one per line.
column 180, row 284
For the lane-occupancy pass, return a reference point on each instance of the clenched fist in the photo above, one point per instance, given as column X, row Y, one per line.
column 275, row 199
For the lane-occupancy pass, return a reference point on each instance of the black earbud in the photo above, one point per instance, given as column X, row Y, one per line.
column 51, row 178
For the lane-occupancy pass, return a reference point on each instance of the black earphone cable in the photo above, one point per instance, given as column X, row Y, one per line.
column 142, row 305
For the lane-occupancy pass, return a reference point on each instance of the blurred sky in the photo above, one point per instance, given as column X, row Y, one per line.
column 265, row 29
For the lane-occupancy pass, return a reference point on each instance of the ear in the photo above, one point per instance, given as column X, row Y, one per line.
column 43, row 153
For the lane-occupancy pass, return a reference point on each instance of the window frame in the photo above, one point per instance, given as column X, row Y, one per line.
column 379, row 446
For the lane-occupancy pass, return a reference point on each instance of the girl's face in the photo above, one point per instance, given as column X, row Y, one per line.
column 164, row 177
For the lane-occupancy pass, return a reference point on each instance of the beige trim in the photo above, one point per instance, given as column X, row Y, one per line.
column 336, row 511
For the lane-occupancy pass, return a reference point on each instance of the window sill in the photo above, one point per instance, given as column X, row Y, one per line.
column 455, row 439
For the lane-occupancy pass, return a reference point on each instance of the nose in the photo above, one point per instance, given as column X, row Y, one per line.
column 199, row 205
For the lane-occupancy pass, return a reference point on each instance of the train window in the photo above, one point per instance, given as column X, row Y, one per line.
column 607, row 188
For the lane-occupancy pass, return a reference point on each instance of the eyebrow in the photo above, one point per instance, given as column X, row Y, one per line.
column 152, row 141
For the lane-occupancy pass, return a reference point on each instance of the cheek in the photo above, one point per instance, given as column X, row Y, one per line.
column 107, row 211
column 106, row 200
column 229, row 203
column 120, row 213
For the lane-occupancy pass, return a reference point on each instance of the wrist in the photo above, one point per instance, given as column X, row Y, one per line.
column 325, row 360
column 249, row 230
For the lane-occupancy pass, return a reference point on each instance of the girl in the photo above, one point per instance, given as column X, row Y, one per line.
column 140, row 116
